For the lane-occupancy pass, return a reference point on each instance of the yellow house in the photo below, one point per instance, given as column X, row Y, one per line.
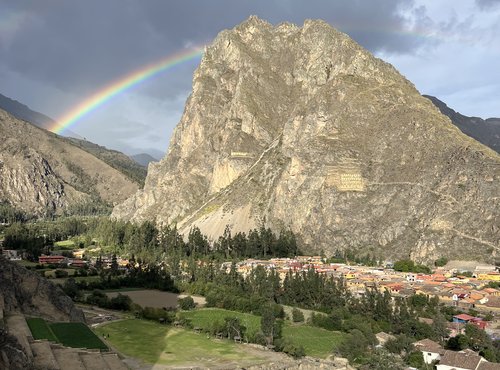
column 492, row 276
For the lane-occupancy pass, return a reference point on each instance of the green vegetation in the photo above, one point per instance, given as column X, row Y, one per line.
column 410, row 266
column 76, row 335
column 187, row 303
column 169, row 346
column 65, row 244
column 297, row 315
column 115, row 159
column 441, row 262
column 316, row 342
column 128, row 337
column 205, row 319
column 40, row 329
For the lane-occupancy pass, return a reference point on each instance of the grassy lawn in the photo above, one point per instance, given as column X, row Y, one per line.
column 26, row 263
column 207, row 350
column 40, row 329
column 52, row 273
column 78, row 335
column 317, row 342
column 170, row 346
column 204, row 318
column 128, row 337
column 70, row 334
column 65, row 244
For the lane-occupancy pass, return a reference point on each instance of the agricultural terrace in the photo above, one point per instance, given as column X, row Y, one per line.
column 69, row 334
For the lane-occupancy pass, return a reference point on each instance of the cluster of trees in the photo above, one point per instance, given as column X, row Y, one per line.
column 336, row 308
column 410, row 266
column 478, row 340
column 152, row 243
column 10, row 214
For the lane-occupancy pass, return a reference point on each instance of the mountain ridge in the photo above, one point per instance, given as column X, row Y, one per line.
column 302, row 128
column 44, row 174
column 486, row 131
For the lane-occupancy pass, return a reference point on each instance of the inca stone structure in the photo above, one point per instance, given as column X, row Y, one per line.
column 302, row 128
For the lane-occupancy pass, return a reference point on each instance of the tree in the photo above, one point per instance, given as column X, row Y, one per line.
column 441, row 262
column 71, row 289
column 354, row 346
column 233, row 327
column 267, row 323
column 297, row 315
column 383, row 360
column 114, row 265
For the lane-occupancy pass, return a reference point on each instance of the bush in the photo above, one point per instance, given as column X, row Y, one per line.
column 323, row 321
column 98, row 298
column 120, row 302
column 297, row 315
column 187, row 303
column 293, row 350
column 157, row 314
column 60, row 273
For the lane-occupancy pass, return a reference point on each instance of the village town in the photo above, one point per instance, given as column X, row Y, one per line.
column 468, row 286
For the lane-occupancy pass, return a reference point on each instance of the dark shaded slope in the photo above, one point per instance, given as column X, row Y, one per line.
column 486, row 131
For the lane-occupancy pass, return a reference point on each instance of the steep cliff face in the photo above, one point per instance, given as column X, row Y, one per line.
column 41, row 173
column 303, row 128
column 25, row 292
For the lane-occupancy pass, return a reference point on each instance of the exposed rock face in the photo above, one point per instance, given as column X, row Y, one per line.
column 303, row 128
column 24, row 291
column 41, row 173
column 12, row 356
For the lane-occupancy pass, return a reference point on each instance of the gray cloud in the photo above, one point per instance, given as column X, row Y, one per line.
column 54, row 53
column 487, row 4
column 78, row 45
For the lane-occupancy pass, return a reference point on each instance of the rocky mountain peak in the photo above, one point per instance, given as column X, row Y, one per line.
column 302, row 128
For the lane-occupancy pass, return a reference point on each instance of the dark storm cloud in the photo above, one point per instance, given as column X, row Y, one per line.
column 79, row 45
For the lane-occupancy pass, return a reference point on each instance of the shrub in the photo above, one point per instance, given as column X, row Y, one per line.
column 60, row 273
column 187, row 303
column 297, row 315
column 120, row 302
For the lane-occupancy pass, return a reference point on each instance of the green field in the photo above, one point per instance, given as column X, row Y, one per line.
column 317, row 342
column 160, row 344
column 204, row 318
column 77, row 335
column 70, row 334
column 26, row 263
column 40, row 329
column 65, row 244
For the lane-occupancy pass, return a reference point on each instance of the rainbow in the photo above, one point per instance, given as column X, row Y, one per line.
column 120, row 85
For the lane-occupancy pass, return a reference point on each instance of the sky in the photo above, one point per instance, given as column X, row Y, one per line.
column 56, row 53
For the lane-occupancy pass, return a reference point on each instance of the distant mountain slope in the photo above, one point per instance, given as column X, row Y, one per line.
column 133, row 170
column 24, row 113
column 42, row 173
column 114, row 158
column 143, row 159
column 485, row 131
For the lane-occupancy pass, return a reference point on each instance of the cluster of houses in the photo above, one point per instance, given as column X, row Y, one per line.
column 76, row 261
column 434, row 353
column 450, row 286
